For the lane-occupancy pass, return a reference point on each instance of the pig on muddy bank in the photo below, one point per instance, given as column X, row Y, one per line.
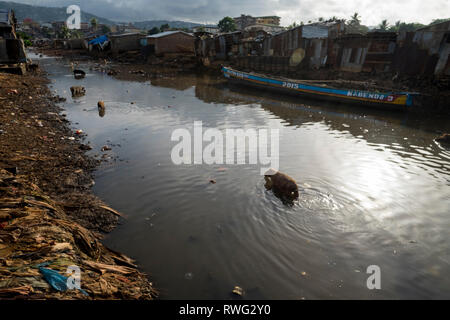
column 282, row 185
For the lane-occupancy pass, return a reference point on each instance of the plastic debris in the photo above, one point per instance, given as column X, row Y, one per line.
column 238, row 291
column 56, row 280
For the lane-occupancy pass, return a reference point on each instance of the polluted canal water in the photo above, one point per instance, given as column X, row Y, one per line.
column 374, row 189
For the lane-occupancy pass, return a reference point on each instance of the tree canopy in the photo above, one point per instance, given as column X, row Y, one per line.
column 355, row 19
column 154, row 30
column 383, row 26
column 94, row 23
column 227, row 24
column 164, row 27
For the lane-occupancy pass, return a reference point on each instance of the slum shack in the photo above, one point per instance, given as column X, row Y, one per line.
column 169, row 42
column 424, row 52
column 365, row 53
column 75, row 44
column 12, row 50
column 125, row 42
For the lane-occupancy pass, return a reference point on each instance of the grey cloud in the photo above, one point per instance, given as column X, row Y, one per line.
column 372, row 12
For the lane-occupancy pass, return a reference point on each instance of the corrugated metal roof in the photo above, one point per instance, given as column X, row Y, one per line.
column 125, row 34
column 314, row 31
column 167, row 33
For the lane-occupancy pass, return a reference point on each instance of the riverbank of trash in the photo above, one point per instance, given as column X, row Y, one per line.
column 51, row 224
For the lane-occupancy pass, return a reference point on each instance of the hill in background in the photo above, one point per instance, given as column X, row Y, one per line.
column 46, row 14
column 173, row 24
column 50, row 14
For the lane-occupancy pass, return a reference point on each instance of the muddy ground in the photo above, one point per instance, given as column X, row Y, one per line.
column 131, row 66
column 48, row 215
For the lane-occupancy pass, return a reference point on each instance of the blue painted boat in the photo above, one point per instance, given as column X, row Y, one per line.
column 321, row 90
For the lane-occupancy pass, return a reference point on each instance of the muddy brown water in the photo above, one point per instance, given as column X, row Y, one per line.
column 374, row 190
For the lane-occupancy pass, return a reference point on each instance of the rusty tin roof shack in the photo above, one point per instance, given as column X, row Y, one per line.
column 372, row 52
column 285, row 43
column 424, row 52
column 306, row 45
column 170, row 42
column 125, row 42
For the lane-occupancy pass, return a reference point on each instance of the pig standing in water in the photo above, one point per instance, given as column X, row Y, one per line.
column 101, row 108
column 281, row 184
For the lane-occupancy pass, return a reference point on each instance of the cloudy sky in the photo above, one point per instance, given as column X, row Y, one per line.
column 210, row 11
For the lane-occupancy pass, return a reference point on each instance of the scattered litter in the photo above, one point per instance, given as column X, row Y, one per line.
column 79, row 74
column 238, row 291
column 56, row 280
column 85, row 147
column 77, row 91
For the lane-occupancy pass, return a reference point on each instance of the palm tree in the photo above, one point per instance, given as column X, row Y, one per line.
column 383, row 25
column 64, row 33
column 94, row 23
column 292, row 26
column 355, row 20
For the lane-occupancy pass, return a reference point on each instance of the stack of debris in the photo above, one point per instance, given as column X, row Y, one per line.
column 35, row 231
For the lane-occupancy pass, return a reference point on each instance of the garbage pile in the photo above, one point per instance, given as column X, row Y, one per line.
column 35, row 232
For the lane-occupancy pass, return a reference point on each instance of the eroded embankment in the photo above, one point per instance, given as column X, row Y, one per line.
column 48, row 214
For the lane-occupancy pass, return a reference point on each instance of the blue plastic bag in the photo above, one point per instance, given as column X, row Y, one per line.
column 56, row 280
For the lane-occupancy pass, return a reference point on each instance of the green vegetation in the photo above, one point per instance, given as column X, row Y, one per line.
column 154, row 30
column 407, row 27
column 25, row 37
column 383, row 26
column 106, row 29
column 355, row 20
column 94, row 23
column 64, row 33
column 227, row 24
column 436, row 21
column 164, row 27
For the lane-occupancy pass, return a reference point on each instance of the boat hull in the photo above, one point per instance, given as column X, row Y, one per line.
column 388, row 100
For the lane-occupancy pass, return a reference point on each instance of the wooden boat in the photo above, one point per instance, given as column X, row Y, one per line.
column 325, row 90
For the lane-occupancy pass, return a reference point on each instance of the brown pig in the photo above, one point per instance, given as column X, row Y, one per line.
column 281, row 184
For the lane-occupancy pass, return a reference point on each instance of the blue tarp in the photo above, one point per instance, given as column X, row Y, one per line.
column 100, row 40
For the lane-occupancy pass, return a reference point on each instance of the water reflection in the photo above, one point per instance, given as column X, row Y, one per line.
column 374, row 188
